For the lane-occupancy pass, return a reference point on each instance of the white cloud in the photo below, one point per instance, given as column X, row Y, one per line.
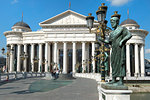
column 147, row 51
column 118, row 2
column 14, row 1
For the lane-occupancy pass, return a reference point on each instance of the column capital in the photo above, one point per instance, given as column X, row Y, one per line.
column 142, row 44
column 128, row 43
column 83, row 42
column 11, row 44
column 25, row 44
column 46, row 41
column 32, row 43
column 65, row 42
column 40, row 44
column 136, row 43
column 19, row 44
column 55, row 42
column 74, row 42
column 49, row 43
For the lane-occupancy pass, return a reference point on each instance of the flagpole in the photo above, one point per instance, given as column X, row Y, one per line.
column 22, row 16
column 128, row 13
column 69, row 5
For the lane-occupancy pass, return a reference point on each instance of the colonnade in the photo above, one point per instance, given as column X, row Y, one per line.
column 139, row 66
column 47, row 57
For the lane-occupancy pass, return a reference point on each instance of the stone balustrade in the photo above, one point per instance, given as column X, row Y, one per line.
column 95, row 76
column 15, row 76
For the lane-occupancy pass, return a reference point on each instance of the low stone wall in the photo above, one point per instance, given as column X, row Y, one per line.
column 95, row 76
column 21, row 75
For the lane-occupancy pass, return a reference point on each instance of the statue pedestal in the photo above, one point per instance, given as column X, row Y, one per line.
column 107, row 94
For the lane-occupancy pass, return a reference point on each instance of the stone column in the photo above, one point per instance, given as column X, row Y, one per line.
column 55, row 54
column 93, row 56
column 18, row 58
column 136, row 60
column 25, row 60
column 142, row 61
column 65, row 58
column 83, row 58
column 128, row 59
column 32, row 57
column 49, row 55
column 40, row 58
column 46, row 57
column 11, row 59
column 74, row 57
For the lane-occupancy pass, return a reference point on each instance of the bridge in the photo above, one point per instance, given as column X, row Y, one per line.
column 34, row 86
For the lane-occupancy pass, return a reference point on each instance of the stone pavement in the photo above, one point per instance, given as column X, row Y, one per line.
column 79, row 89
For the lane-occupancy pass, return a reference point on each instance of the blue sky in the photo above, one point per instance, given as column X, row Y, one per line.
column 36, row 11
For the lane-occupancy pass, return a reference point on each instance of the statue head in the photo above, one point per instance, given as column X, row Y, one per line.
column 114, row 22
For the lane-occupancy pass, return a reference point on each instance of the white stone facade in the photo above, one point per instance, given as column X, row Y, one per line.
column 135, row 51
column 65, row 42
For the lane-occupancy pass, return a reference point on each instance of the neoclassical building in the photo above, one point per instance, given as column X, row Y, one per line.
column 64, row 42
column 135, row 48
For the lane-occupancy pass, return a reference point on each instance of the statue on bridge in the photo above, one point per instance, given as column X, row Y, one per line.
column 117, row 39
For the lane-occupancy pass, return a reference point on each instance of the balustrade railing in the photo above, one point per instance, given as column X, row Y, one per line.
column 20, row 75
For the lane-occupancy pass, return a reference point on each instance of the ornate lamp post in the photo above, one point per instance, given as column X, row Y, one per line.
column 8, row 53
column 35, row 59
column 100, row 32
column 43, row 63
column 24, row 56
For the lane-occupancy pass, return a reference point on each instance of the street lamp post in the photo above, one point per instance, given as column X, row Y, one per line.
column 24, row 56
column 8, row 53
column 43, row 64
column 100, row 32
column 35, row 60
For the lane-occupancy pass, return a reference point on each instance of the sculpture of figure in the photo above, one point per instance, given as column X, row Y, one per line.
column 117, row 39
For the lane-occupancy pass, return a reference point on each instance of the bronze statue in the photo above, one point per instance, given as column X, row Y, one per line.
column 117, row 39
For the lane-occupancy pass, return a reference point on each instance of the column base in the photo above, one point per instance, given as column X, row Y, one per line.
column 136, row 74
column 64, row 72
column 142, row 74
column 128, row 74
column 106, row 94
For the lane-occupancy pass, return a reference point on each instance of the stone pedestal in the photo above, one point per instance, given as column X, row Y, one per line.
column 105, row 94
column 48, row 76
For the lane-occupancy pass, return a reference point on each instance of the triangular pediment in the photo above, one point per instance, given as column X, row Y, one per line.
column 68, row 17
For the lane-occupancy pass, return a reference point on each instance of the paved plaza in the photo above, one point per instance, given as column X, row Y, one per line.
column 78, row 89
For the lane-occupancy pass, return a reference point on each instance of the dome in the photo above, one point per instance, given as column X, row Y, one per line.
column 129, row 21
column 23, row 24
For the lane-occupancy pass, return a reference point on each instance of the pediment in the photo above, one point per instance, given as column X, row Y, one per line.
column 68, row 17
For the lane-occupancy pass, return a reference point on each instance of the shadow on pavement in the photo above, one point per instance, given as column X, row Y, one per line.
column 22, row 92
column 9, row 88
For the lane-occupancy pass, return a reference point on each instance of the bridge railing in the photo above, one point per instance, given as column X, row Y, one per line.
column 20, row 75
